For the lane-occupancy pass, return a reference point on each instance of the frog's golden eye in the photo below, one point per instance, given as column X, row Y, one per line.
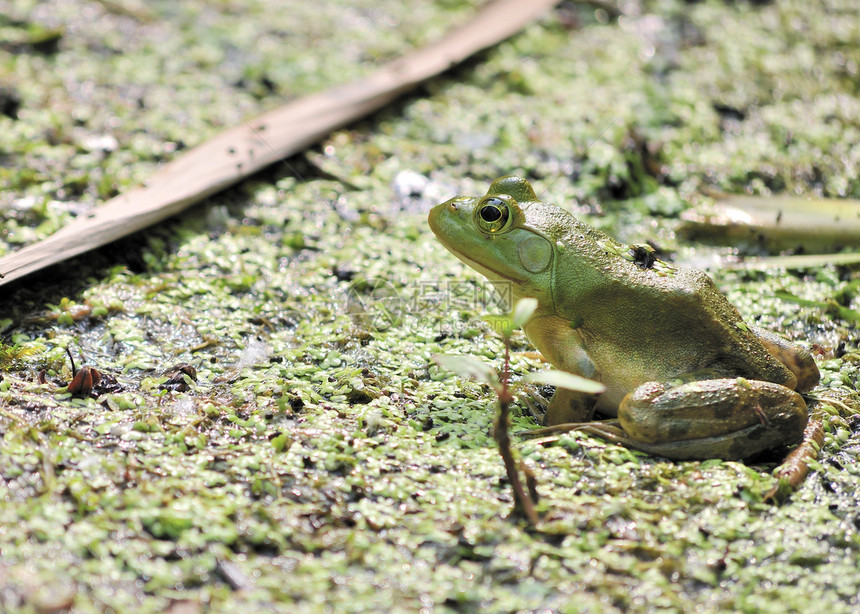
column 493, row 215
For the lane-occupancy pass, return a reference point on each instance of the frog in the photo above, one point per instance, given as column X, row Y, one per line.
column 685, row 376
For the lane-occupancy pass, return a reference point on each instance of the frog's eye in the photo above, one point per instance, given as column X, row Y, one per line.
column 493, row 215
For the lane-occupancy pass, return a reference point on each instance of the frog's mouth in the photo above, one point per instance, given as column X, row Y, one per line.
column 446, row 229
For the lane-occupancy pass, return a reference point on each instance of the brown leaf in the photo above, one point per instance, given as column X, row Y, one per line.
column 83, row 382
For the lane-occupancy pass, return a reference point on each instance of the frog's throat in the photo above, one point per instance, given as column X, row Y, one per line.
column 489, row 273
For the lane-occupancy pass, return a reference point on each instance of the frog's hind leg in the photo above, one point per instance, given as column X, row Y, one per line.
column 728, row 418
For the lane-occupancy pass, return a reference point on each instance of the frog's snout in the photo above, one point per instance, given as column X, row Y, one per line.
column 434, row 217
column 451, row 207
column 442, row 216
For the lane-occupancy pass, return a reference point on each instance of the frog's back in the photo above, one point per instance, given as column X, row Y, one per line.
column 645, row 320
column 698, row 311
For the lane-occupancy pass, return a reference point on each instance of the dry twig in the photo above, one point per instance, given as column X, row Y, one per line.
column 240, row 151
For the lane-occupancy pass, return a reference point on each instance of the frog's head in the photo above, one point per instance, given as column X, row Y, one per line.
column 500, row 235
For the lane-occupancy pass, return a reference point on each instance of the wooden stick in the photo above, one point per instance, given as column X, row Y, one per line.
column 776, row 222
column 242, row 150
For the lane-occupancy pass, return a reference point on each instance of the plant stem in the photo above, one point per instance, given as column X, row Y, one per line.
column 522, row 500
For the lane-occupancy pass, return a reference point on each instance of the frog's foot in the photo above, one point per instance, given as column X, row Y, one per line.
column 607, row 429
column 798, row 360
column 730, row 418
column 569, row 406
column 535, row 402
column 794, row 468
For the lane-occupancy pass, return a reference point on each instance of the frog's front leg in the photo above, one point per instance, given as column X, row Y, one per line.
column 561, row 345
column 728, row 418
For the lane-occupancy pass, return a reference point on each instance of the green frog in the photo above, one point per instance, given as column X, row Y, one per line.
column 685, row 376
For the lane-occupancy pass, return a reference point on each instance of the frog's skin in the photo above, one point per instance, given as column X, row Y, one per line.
column 686, row 377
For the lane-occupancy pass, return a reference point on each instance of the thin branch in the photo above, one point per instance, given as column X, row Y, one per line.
column 502, row 436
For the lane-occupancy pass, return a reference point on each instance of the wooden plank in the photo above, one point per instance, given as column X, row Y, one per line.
column 242, row 150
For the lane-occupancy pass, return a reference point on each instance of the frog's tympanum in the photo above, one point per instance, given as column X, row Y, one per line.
column 685, row 376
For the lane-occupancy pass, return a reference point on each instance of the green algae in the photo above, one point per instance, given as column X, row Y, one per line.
column 319, row 459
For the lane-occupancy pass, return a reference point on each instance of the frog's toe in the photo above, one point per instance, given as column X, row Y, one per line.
column 798, row 360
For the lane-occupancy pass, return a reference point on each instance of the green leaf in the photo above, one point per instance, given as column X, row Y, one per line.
column 508, row 323
column 281, row 442
column 523, row 310
column 501, row 324
column 829, row 305
column 468, row 366
column 563, row 379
